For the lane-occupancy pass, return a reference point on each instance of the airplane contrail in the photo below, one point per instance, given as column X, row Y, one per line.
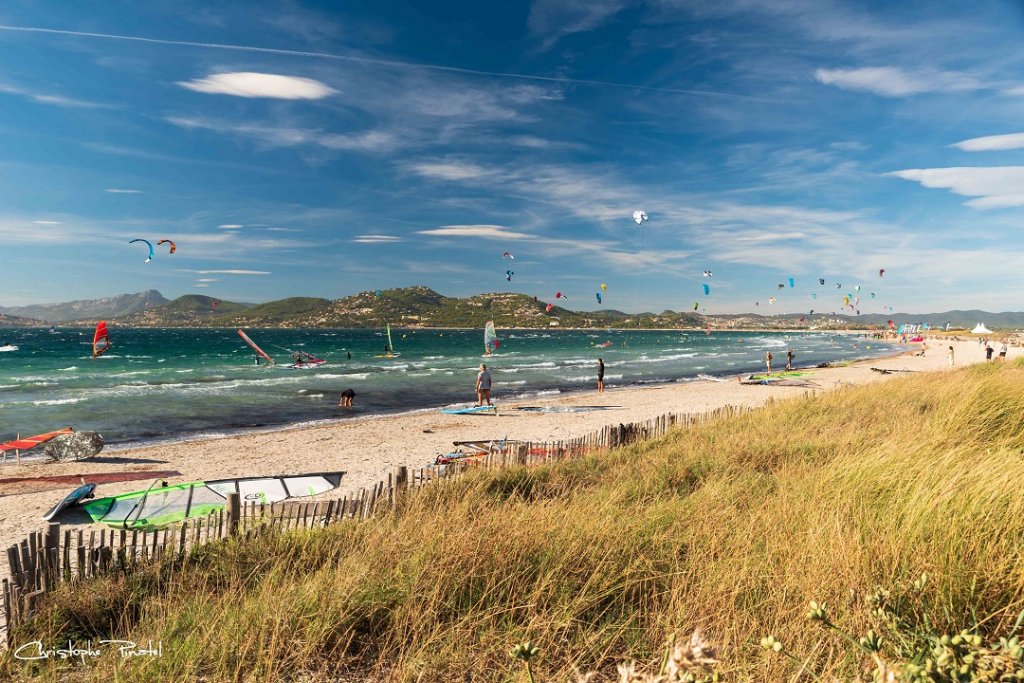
column 373, row 60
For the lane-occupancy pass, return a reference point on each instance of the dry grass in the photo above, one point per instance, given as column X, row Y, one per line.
column 732, row 528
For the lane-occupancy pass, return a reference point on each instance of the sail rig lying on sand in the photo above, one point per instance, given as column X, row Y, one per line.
column 161, row 505
column 252, row 344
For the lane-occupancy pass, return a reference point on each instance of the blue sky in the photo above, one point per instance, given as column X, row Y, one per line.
column 300, row 148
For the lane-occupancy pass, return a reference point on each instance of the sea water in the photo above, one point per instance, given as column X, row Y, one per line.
column 160, row 384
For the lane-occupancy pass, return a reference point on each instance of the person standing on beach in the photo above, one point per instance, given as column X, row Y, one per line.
column 768, row 361
column 483, row 386
column 950, row 356
column 789, row 359
column 988, row 352
column 1002, row 351
column 600, row 375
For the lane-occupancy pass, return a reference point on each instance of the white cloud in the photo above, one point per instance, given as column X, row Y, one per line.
column 991, row 143
column 118, row 190
column 994, row 186
column 207, row 279
column 230, row 226
column 487, row 232
column 47, row 222
column 251, row 84
column 376, row 239
column 225, row 272
column 891, row 81
column 370, row 141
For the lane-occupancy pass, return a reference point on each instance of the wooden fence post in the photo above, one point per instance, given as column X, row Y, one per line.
column 234, row 509
column 401, row 485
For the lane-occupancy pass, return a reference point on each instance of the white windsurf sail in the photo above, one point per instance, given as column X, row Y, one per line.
column 491, row 341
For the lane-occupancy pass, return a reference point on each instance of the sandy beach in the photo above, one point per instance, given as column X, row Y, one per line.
column 368, row 449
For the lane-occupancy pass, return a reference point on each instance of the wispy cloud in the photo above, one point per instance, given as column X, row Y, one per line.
column 991, row 143
column 229, row 271
column 487, row 232
column 892, row 81
column 377, row 239
column 252, row 84
column 50, row 98
column 121, row 190
column 994, row 186
column 550, row 20
column 231, row 226
column 450, row 170
column 207, row 279
column 47, row 222
column 282, row 136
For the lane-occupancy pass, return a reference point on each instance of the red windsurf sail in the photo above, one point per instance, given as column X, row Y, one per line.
column 32, row 441
column 100, row 340
column 251, row 343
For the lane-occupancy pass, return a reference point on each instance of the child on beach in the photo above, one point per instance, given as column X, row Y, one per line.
column 950, row 356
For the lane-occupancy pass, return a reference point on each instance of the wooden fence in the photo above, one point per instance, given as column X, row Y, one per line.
column 45, row 559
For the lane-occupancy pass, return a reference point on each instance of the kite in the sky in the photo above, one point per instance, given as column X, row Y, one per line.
column 821, row 280
column 508, row 275
column 782, row 286
column 598, row 295
column 604, row 287
column 508, row 254
column 547, row 309
column 707, row 290
column 812, row 312
column 707, row 273
column 791, row 283
column 148, row 244
column 173, row 247
column 839, row 285
column 695, row 305
column 881, row 272
column 639, row 216
column 872, row 295
column 856, row 288
column 814, row 296
column 771, row 300
column 559, row 295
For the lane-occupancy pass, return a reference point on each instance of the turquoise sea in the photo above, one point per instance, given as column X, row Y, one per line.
column 156, row 385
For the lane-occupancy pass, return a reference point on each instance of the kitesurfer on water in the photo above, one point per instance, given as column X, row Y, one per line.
column 483, row 386
column 600, row 375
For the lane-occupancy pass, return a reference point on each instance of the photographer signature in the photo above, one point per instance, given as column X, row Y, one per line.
column 127, row 649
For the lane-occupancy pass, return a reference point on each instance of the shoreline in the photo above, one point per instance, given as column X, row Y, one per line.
column 535, row 395
column 369, row 448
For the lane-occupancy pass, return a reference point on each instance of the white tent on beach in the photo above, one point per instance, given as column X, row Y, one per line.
column 981, row 329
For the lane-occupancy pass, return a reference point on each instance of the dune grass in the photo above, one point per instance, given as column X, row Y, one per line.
column 732, row 527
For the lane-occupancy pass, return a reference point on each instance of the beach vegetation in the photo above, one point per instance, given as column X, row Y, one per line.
column 869, row 533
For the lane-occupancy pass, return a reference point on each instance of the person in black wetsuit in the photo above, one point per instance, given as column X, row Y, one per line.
column 600, row 375
column 346, row 398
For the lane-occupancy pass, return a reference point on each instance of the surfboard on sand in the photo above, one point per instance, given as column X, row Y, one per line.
column 472, row 410
column 82, row 492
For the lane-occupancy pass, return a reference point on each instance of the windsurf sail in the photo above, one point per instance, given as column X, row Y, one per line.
column 301, row 358
column 491, row 341
column 32, row 441
column 161, row 505
column 391, row 347
column 252, row 344
column 100, row 339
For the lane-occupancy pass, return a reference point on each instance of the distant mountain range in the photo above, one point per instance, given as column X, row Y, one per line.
column 423, row 307
column 89, row 309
